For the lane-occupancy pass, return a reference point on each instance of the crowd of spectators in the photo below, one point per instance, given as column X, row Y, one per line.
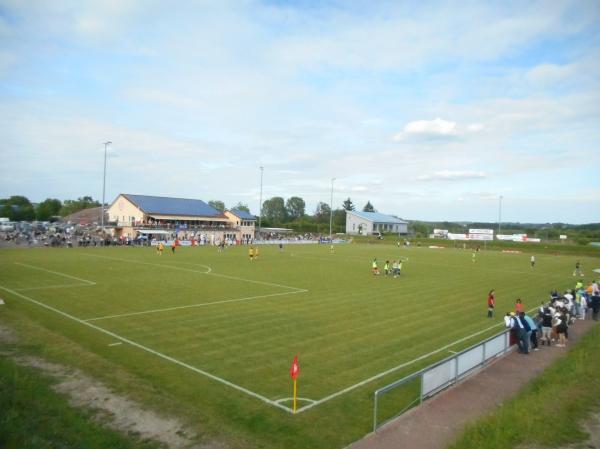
column 554, row 317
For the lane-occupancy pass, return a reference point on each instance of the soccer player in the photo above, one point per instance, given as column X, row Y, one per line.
column 578, row 271
column 331, row 250
column 256, row 253
column 386, row 267
column 173, row 246
column 251, row 253
column 395, row 268
column 473, row 255
column 375, row 267
column 491, row 303
column 160, row 248
column 532, row 261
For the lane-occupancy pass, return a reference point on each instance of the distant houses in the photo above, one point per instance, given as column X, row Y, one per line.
column 373, row 223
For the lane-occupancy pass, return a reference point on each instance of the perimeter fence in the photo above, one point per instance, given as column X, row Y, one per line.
column 398, row 397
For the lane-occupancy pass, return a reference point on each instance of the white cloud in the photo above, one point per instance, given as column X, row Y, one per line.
column 428, row 128
column 475, row 127
column 448, row 175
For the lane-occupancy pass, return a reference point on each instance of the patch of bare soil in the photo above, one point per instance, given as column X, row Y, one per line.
column 115, row 411
column 591, row 426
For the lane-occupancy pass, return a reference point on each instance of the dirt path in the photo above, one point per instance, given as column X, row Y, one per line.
column 113, row 410
column 440, row 419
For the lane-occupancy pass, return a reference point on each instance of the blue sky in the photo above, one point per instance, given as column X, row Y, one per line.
column 430, row 110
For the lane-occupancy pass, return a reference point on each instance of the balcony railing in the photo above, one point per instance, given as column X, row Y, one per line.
column 174, row 226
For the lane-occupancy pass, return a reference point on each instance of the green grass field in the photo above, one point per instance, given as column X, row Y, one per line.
column 216, row 333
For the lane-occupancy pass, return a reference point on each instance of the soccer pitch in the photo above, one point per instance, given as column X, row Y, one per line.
column 238, row 324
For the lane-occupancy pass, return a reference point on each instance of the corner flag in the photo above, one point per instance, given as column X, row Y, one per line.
column 294, row 371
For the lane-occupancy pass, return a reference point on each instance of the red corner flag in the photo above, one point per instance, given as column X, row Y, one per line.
column 295, row 369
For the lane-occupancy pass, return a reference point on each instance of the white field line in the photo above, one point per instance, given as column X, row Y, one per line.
column 279, row 401
column 208, row 272
column 85, row 281
column 208, row 269
column 151, row 351
column 396, row 368
column 116, row 344
column 189, row 306
column 53, row 286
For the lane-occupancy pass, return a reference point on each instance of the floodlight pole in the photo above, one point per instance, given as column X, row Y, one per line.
column 260, row 201
column 499, row 214
column 331, row 212
column 106, row 144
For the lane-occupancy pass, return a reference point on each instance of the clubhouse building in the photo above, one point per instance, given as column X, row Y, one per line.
column 160, row 218
column 370, row 223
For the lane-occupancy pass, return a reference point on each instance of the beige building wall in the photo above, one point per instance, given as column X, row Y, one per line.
column 124, row 211
column 243, row 230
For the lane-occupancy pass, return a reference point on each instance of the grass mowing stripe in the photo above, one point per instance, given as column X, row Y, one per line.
column 151, row 351
column 85, row 281
column 52, row 286
column 209, row 272
column 168, row 309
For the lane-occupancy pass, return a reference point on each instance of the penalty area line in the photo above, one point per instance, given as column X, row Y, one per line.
column 151, row 351
column 167, row 309
column 85, row 281
column 52, row 286
column 207, row 272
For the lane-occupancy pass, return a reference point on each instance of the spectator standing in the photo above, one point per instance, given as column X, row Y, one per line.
column 546, row 327
column 522, row 330
column 534, row 330
column 595, row 306
column 519, row 306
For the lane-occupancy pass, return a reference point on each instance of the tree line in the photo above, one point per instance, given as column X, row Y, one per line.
column 19, row 208
column 276, row 211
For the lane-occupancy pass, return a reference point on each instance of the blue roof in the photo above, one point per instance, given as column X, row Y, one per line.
column 243, row 214
column 377, row 217
column 173, row 206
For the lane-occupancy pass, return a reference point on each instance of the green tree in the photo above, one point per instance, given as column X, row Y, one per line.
column 47, row 209
column 339, row 220
column 295, row 207
column 348, row 204
column 274, row 210
column 419, row 228
column 369, row 207
column 17, row 208
column 71, row 206
column 241, row 206
column 322, row 212
column 219, row 205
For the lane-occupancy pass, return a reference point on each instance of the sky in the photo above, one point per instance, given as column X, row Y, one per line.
column 429, row 110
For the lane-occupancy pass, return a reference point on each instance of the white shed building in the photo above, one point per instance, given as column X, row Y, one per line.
column 369, row 223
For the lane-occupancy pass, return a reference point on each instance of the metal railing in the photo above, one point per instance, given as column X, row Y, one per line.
column 444, row 373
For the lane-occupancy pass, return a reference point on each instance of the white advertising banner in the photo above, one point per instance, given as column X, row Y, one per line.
column 562, row 237
column 481, row 231
column 481, row 236
column 457, row 236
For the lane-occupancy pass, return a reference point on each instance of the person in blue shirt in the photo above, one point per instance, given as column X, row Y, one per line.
column 533, row 338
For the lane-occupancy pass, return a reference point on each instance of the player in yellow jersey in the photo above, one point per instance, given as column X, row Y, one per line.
column 251, row 253
column 160, row 248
